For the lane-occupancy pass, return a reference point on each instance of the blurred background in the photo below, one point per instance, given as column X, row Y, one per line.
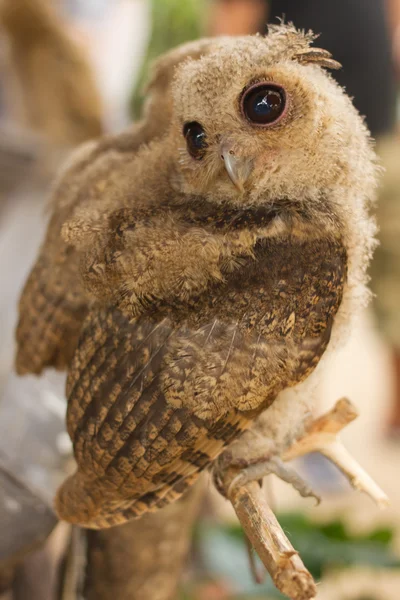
column 72, row 70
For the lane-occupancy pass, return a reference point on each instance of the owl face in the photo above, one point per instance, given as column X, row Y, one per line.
column 254, row 123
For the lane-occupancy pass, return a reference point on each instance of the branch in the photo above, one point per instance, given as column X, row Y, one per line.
column 322, row 436
column 271, row 544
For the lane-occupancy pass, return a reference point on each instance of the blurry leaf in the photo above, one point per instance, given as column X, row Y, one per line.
column 173, row 22
column 384, row 535
column 335, row 530
column 321, row 546
column 225, row 556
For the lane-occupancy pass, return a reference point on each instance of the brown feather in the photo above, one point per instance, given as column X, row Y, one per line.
column 130, row 415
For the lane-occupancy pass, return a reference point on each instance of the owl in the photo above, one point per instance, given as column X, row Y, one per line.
column 217, row 264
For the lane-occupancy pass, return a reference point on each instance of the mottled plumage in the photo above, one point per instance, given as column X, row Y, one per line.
column 153, row 400
column 216, row 263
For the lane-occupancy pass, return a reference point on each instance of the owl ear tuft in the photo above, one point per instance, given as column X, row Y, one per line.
column 317, row 56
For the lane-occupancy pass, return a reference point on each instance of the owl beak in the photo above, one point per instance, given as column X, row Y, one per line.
column 238, row 168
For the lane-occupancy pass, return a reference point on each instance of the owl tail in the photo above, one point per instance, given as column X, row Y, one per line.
column 81, row 500
column 86, row 501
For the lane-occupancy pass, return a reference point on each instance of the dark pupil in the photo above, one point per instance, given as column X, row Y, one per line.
column 264, row 105
column 195, row 139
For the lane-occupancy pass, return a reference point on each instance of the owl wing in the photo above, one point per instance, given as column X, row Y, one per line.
column 52, row 308
column 136, row 449
column 53, row 303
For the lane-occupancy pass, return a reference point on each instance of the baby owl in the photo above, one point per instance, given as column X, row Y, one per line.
column 216, row 263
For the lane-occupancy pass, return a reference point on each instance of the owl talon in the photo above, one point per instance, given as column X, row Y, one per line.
column 262, row 468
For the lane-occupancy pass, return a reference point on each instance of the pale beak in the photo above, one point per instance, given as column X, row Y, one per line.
column 238, row 168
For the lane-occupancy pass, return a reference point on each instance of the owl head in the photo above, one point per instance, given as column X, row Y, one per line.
column 258, row 119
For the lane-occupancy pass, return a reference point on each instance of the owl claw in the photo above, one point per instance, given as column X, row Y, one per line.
column 261, row 468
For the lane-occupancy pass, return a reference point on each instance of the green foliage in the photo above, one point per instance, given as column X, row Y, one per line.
column 173, row 22
column 321, row 546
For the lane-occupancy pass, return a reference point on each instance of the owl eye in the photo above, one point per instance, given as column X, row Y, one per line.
column 264, row 103
column 195, row 139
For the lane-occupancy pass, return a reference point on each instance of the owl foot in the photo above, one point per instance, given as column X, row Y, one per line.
column 259, row 469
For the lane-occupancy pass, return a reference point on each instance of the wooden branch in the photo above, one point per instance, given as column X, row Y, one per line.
column 322, row 436
column 281, row 560
column 327, row 426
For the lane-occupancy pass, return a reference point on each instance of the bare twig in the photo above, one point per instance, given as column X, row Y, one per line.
column 322, row 436
column 271, row 544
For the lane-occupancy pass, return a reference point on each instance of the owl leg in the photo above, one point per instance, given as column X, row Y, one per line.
column 275, row 465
